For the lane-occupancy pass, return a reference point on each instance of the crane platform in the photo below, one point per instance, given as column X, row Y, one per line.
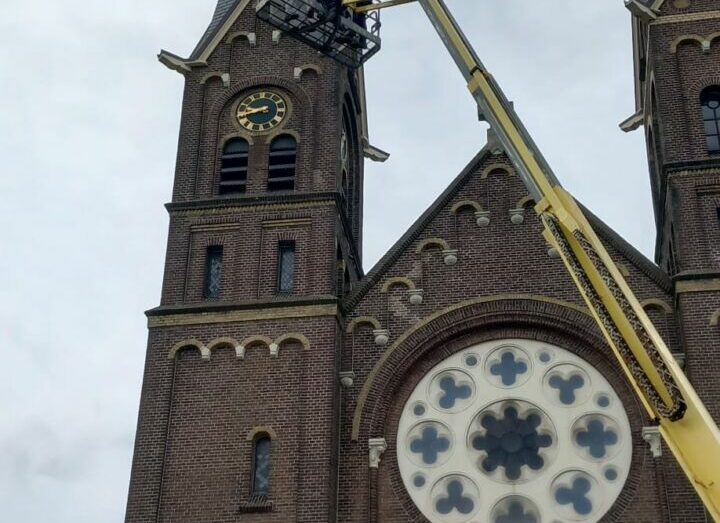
column 329, row 26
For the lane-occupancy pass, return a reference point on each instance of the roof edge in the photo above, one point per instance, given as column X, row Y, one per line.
column 642, row 262
column 391, row 256
column 223, row 19
column 604, row 231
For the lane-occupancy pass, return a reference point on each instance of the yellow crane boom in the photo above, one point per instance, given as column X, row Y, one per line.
column 663, row 389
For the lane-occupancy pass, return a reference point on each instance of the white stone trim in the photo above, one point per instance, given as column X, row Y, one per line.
column 377, row 447
column 651, row 435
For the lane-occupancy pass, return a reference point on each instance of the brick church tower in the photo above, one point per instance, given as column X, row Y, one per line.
column 677, row 57
column 264, row 240
column 460, row 380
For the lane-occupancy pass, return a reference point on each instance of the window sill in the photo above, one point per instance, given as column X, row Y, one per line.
column 256, row 504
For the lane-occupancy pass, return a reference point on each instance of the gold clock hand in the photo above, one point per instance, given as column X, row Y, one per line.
column 253, row 110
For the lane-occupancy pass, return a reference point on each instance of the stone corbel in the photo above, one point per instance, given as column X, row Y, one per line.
column 651, row 435
column 482, row 218
column 450, row 257
column 517, row 216
column 377, row 447
column 382, row 336
column 274, row 350
column 205, row 353
column 347, row 379
column 416, row 296
column 276, row 34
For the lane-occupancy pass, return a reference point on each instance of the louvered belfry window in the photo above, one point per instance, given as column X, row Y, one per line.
column 710, row 101
column 281, row 164
column 234, row 167
column 213, row 272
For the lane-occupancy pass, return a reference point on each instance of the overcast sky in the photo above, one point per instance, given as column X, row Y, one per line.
column 89, row 130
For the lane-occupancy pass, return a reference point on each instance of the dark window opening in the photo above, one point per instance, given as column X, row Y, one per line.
column 234, row 167
column 672, row 253
column 261, row 468
column 344, row 191
column 281, row 164
column 286, row 267
column 347, row 160
column 347, row 284
column 710, row 101
column 213, row 272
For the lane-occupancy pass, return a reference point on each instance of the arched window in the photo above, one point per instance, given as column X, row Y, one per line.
column 234, row 167
column 347, row 172
column 710, row 101
column 260, row 486
column 281, row 165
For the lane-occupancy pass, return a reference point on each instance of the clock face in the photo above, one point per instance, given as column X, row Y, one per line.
column 261, row 111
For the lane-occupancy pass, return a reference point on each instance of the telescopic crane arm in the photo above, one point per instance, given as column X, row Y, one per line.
column 661, row 386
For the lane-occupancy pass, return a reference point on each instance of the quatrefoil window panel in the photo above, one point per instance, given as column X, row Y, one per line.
column 514, row 431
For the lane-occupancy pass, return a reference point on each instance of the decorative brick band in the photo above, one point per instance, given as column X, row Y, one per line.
column 432, row 242
column 240, row 347
column 689, row 17
column 363, row 320
column 205, row 318
column 656, row 303
column 465, row 204
column 262, row 430
column 399, row 280
column 496, row 167
column 706, row 285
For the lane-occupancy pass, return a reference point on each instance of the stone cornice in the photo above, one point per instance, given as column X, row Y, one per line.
column 686, row 17
column 697, row 281
column 709, row 165
column 257, row 310
column 256, row 203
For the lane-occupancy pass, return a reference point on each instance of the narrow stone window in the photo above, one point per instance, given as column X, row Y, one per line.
column 261, row 468
column 281, row 164
column 213, row 272
column 710, row 101
column 286, row 267
column 234, row 167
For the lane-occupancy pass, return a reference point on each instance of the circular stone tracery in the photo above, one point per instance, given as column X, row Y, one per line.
column 515, row 440
column 514, row 431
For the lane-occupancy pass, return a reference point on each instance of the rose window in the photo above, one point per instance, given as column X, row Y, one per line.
column 514, row 431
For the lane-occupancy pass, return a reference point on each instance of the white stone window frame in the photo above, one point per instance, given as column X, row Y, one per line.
column 570, row 463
